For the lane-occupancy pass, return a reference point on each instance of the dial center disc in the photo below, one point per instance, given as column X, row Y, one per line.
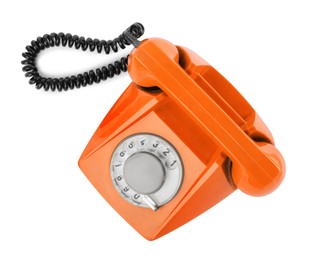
column 144, row 173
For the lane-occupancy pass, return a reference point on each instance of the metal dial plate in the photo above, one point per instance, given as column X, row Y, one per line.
column 146, row 170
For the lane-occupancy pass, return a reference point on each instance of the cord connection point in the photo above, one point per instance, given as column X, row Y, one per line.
column 133, row 32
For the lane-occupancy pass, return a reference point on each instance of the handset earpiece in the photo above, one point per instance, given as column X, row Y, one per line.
column 255, row 183
column 257, row 168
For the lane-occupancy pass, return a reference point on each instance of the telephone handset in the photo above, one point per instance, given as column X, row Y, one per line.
column 179, row 140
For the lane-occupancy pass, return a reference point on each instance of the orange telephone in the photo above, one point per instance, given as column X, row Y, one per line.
column 180, row 138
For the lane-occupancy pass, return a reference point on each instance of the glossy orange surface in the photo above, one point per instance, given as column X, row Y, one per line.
column 207, row 121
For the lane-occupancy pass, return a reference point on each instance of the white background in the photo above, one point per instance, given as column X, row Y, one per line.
column 48, row 209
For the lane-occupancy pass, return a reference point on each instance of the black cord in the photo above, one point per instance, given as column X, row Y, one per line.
column 129, row 36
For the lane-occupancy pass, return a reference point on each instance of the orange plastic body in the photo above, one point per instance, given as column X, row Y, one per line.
column 207, row 121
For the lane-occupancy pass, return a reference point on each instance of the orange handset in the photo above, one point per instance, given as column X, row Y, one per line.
column 180, row 139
